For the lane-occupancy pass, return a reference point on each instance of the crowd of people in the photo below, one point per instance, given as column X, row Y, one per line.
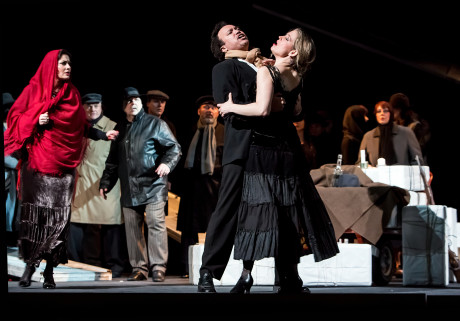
column 95, row 191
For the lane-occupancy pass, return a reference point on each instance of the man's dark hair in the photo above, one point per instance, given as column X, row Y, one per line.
column 216, row 43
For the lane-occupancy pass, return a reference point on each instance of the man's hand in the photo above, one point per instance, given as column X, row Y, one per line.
column 103, row 192
column 162, row 170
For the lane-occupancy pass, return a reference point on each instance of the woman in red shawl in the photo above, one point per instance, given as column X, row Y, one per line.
column 47, row 131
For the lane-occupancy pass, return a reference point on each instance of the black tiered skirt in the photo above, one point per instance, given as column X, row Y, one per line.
column 281, row 214
column 45, row 216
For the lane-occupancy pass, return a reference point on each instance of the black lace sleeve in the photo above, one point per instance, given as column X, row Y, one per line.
column 96, row 134
column 274, row 73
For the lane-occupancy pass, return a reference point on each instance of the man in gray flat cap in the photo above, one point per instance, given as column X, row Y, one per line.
column 156, row 104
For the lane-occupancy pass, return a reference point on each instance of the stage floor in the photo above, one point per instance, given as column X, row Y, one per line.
column 118, row 299
column 177, row 296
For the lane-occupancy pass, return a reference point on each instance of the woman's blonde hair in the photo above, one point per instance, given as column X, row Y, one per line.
column 306, row 51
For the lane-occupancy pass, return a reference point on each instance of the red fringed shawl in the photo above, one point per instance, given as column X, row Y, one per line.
column 61, row 145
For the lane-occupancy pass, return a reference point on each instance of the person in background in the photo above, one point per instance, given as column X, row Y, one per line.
column 404, row 115
column 203, row 173
column 11, row 180
column 354, row 126
column 142, row 157
column 396, row 144
column 300, row 127
column 97, row 235
column 321, row 145
column 156, row 104
column 47, row 131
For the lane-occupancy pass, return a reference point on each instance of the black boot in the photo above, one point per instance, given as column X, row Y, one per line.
column 244, row 284
column 26, row 277
column 290, row 281
column 292, row 285
column 48, row 283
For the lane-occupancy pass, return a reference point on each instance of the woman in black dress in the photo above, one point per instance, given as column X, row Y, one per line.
column 281, row 214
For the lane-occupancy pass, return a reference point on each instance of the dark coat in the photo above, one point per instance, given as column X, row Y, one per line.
column 199, row 197
column 134, row 156
column 404, row 141
column 239, row 78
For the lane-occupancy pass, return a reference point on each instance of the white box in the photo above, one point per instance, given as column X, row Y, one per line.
column 452, row 236
column 425, row 245
column 351, row 267
column 417, row 198
column 404, row 176
column 452, row 226
column 458, row 239
column 263, row 271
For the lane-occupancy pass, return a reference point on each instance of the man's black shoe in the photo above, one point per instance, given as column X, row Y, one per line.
column 137, row 276
column 205, row 283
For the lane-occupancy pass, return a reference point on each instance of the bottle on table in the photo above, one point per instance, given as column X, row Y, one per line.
column 337, row 171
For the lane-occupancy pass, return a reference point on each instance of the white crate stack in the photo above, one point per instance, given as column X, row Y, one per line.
column 351, row 267
column 419, row 251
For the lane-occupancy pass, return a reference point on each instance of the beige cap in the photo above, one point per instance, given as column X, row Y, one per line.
column 157, row 93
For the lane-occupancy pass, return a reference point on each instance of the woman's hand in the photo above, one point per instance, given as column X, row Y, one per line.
column 112, row 134
column 43, row 119
column 227, row 106
column 162, row 170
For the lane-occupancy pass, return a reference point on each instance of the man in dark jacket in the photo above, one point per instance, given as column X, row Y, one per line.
column 142, row 156
column 203, row 173
column 237, row 76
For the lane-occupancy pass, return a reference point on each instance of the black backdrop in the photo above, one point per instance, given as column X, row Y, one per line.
column 165, row 46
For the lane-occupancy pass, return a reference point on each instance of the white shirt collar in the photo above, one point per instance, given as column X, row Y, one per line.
column 249, row 64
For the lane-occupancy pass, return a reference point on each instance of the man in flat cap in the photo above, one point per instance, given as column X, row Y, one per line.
column 202, row 172
column 96, row 234
column 142, row 157
column 156, row 104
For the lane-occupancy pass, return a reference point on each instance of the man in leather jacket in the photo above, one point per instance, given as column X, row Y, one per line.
column 142, row 156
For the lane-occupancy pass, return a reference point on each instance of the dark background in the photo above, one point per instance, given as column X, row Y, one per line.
column 364, row 54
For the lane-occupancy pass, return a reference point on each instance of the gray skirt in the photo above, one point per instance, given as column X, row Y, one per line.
column 44, row 216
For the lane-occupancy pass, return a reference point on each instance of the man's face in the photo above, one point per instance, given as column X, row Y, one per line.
column 156, row 106
column 208, row 113
column 134, row 106
column 93, row 110
column 233, row 38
